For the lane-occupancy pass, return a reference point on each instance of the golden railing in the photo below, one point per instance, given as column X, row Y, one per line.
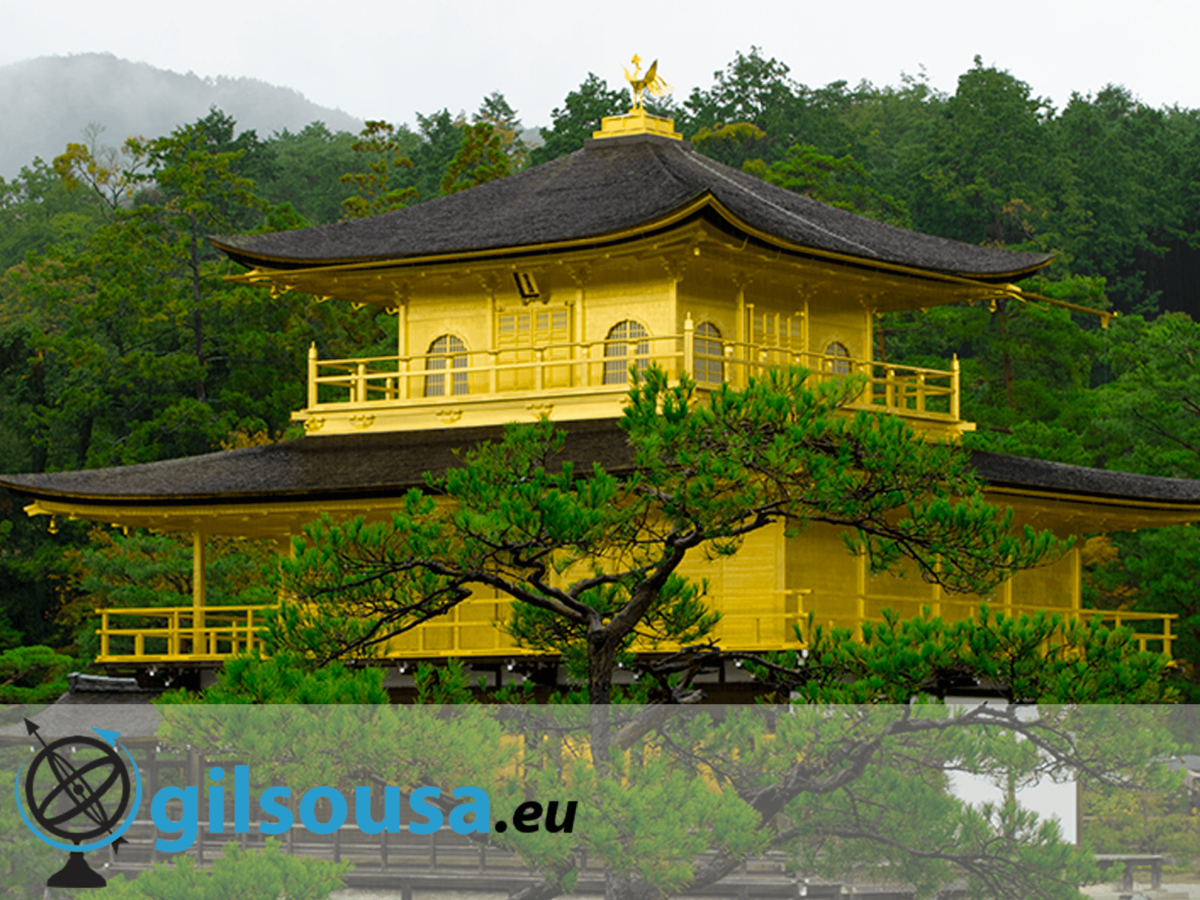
column 1159, row 641
column 601, row 367
column 172, row 635
column 178, row 635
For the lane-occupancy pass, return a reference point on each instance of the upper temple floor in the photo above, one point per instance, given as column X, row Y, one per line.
column 487, row 345
column 534, row 294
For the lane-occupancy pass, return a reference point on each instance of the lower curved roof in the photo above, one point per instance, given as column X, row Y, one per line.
column 339, row 470
column 608, row 189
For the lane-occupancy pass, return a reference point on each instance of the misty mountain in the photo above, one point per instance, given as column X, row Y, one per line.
column 47, row 102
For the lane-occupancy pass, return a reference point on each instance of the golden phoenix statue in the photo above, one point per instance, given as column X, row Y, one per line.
column 651, row 82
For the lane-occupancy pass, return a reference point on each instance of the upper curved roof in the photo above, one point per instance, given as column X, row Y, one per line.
column 613, row 187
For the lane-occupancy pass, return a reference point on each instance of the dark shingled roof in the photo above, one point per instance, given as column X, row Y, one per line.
column 127, row 712
column 608, row 187
column 350, row 465
column 387, row 464
column 1038, row 474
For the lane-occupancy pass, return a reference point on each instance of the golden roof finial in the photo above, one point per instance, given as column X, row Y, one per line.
column 651, row 82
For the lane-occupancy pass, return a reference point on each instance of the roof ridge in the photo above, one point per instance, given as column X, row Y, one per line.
column 695, row 158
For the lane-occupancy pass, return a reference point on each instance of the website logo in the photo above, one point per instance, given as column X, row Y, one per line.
column 77, row 790
column 82, row 793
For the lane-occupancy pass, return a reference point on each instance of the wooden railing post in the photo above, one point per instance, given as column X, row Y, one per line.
column 955, row 384
column 360, row 383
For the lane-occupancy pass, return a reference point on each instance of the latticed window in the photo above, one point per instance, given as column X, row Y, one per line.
column 616, row 361
column 447, row 352
column 837, row 358
column 708, row 354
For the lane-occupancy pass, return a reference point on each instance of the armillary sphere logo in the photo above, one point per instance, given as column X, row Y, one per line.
column 77, row 789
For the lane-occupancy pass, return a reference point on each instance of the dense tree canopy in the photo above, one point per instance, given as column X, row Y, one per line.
column 120, row 342
column 680, row 796
column 592, row 559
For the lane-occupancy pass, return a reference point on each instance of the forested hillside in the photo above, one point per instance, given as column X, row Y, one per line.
column 120, row 343
column 46, row 102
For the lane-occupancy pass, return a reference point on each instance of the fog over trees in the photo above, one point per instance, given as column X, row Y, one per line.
column 47, row 102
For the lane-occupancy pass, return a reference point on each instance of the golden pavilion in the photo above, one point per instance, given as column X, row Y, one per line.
column 533, row 296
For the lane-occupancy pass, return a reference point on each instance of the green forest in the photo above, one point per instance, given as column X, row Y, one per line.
column 121, row 343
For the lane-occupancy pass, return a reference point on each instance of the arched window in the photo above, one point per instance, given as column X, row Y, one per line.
column 837, row 359
column 447, row 352
column 708, row 354
column 616, row 355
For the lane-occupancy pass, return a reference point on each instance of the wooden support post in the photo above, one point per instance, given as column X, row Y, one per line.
column 198, row 578
column 689, row 347
column 401, row 313
column 739, row 336
column 750, row 356
column 312, row 375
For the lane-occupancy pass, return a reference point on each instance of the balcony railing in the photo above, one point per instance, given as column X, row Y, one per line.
column 598, row 369
column 178, row 634
column 182, row 636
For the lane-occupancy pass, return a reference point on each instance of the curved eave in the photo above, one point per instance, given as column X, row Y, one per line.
column 81, row 501
column 1080, row 500
column 266, row 267
column 263, row 516
column 1190, row 506
column 1185, row 510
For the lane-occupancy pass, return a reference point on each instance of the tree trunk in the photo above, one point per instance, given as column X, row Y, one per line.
column 602, row 661
column 197, row 319
column 85, row 441
column 1002, row 312
column 37, row 391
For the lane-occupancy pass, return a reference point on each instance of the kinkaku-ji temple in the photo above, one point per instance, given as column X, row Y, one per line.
column 532, row 296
